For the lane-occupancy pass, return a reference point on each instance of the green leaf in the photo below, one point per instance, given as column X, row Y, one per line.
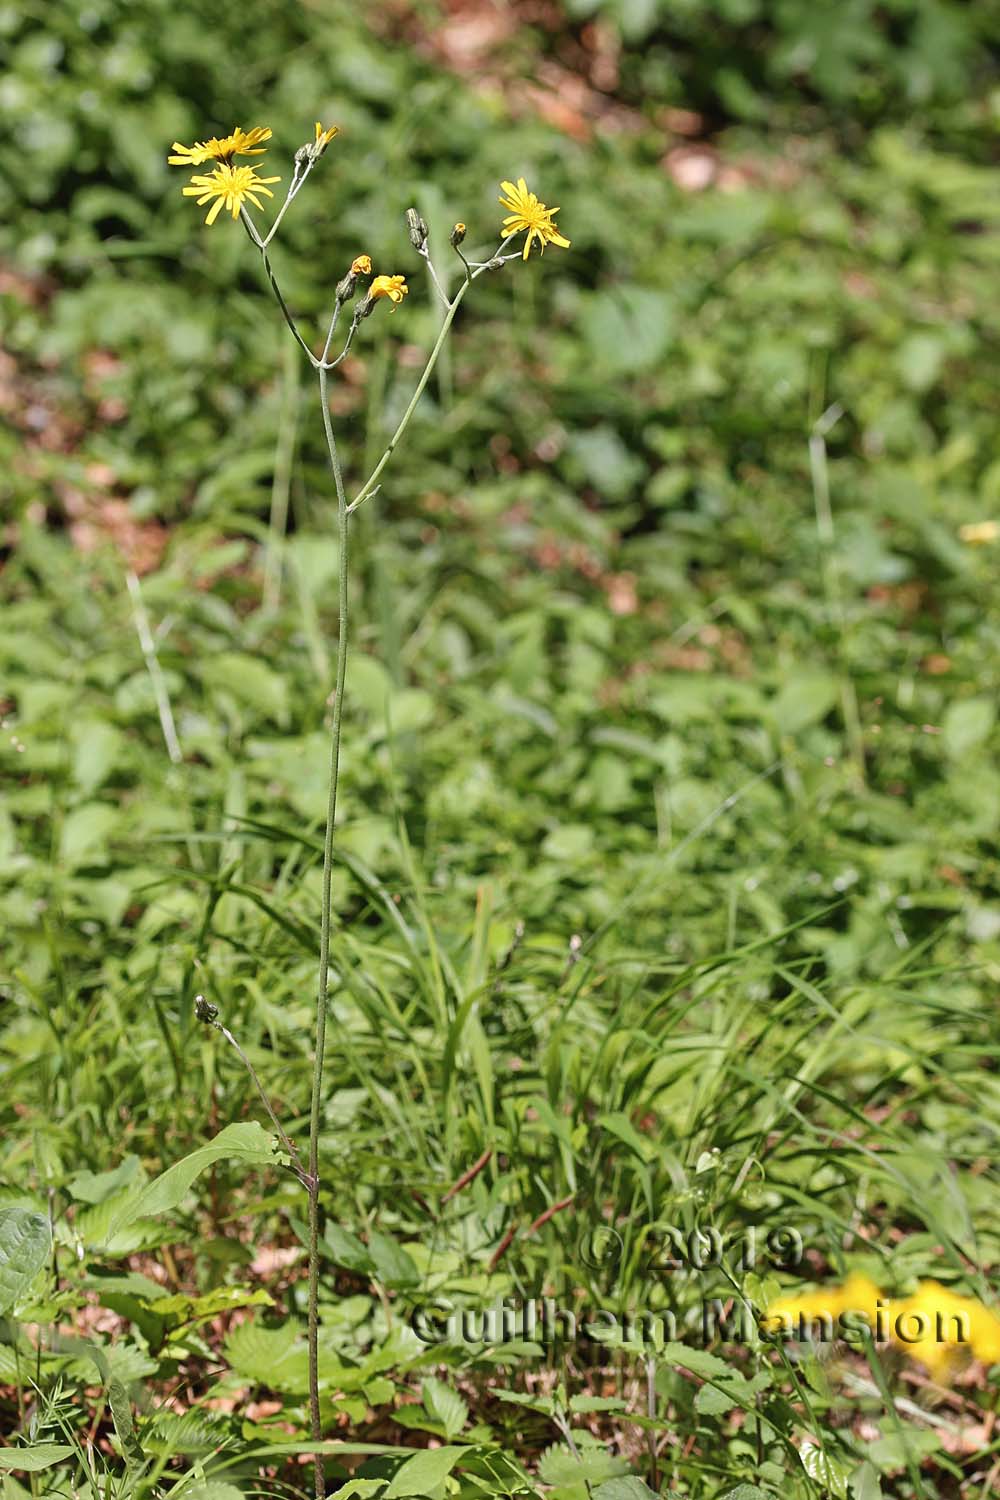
column 247, row 1141
column 345, row 1249
column 33, row 1460
column 865, row 1483
column 628, row 1487
column 393, row 1266
column 424, row 1472
column 25, row 1246
column 825, row 1470
column 209, row 1489
column 95, row 1187
column 275, row 1357
column 805, row 698
column 621, row 1126
column 967, row 724
column 251, row 681
column 590, row 1465
column 444, row 1405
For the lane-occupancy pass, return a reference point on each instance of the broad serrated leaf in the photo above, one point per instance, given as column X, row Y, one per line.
column 444, row 1405
column 275, row 1357
column 589, row 1466
column 25, row 1246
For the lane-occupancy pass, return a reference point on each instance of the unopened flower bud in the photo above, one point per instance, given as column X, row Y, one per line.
column 417, row 228
column 205, row 1010
column 457, row 235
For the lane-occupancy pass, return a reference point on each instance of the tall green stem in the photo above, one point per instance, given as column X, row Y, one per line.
column 343, row 526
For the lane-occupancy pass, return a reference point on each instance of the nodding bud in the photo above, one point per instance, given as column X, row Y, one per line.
column 205, row 1010
column 361, row 265
column 457, row 235
column 417, row 228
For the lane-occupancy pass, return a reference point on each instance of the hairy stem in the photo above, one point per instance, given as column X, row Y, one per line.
column 324, row 946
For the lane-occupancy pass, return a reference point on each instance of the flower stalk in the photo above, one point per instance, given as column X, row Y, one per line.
column 233, row 187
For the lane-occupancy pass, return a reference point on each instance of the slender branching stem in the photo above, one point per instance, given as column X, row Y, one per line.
column 434, row 277
column 262, row 245
column 294, row 189
column 370, row 485
column 310, row 1176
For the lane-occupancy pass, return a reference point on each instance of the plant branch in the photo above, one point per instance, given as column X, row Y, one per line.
column 261, row 245
column 368, row 488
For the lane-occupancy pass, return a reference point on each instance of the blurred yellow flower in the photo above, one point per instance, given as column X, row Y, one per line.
column 978, row 532
column 799, row 1313
column 935, row 1325
column 230, row 187
column 528, row 213
column 393, row 287
column 361, row 265
column 238, row 143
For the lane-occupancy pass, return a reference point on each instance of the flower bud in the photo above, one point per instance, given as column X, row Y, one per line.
column 205, row 1010
column 417, row 228
column 457, row 235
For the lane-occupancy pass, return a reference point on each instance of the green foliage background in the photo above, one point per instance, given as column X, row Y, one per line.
column 605, row 660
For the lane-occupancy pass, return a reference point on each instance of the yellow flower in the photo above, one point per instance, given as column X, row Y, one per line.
column 323, row 138
column 393, row 287
column 239, row 143
column 978, row 532
column 528, row 213
column 823, row 1307
column 935, row 1325
column 229, row 186
column 361, row 265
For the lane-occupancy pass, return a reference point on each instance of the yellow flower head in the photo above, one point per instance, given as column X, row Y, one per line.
column 238, row 143
column 361, row 265
column 229, row 186
column 323, row 138
column 978, row 532
column 939, row 1327
column 393, row 287
column 528, row 213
